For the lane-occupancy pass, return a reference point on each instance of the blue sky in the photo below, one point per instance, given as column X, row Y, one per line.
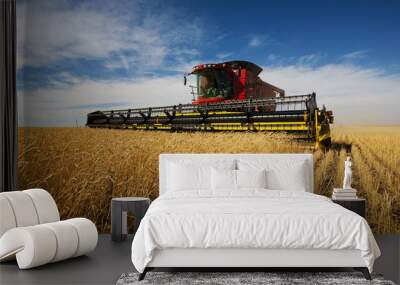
column 78, row 56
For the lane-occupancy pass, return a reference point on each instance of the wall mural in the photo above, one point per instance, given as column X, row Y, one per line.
column 104, row 88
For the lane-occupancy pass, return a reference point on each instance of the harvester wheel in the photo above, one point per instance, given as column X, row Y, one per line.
column 326, row 144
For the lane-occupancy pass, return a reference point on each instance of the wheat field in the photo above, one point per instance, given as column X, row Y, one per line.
column 84, row 168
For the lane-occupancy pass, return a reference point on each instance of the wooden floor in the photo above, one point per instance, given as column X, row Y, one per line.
column 110, row 260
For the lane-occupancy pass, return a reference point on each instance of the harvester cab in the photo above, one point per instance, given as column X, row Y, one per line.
column 233, row 80
column 229, row 96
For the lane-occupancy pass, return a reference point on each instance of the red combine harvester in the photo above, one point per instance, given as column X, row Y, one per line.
column 228, row 96
column 237, row 80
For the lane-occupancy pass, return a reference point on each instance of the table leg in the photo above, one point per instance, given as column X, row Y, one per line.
column 116, row 221
column 124, row 224
column 138, row 211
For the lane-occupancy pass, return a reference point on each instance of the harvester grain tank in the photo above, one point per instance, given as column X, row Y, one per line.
column 228, row 96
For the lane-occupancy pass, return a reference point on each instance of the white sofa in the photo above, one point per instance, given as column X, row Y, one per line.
column 31, row 230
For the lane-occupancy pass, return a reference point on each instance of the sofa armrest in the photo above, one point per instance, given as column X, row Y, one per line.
column 32, row 246
column 40, row 244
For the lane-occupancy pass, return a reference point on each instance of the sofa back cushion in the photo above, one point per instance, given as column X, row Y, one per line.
column 223, row 179
column 282, row 174
column 183, row 177
column 186, row 174
column 248, row 162
column 251, row 178
column 234, row 180
column 26, row 208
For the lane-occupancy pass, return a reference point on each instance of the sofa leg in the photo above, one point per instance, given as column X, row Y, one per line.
column 143, row 274
column 364, row 271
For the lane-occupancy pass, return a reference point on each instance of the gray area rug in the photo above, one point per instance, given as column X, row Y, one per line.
column 228, row 278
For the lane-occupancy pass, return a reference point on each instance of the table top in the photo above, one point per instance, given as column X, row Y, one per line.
column 130, row 199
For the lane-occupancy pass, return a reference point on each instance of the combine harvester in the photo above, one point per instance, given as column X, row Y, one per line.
column 228, row 96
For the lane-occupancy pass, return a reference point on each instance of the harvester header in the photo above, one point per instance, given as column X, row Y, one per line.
column 228, row 96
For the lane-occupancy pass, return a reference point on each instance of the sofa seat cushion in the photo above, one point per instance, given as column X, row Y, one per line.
column 40, row 244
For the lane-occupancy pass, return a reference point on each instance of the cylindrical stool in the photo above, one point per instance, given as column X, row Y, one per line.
column 119, row 214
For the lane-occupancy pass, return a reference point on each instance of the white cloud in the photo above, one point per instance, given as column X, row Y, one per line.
column 53, row 33
column 355, row 54
column 256, row 41
column 59, row 106
column 125, row 35
column 355, row 95
column 222, row 36
column 308, row 59
column 223, row 55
